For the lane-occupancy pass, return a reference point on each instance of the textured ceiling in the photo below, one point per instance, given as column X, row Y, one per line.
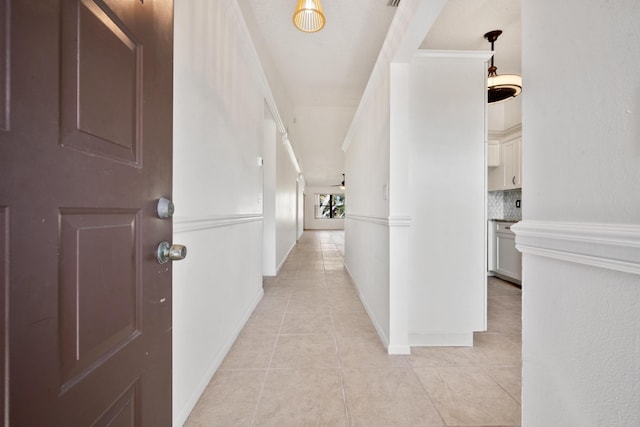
column 325, row 73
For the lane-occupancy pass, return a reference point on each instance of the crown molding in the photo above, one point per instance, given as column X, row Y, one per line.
column 515, row 130
column 264, row 83
column 483, row 55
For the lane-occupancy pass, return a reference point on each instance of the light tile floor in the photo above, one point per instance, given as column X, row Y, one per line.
column 309, row 356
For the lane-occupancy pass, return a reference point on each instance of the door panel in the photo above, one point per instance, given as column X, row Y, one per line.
column 4, row 63
column 4, row 291
column 90, row 307
column 101, row 81
column 123, row 412
column 100, row 288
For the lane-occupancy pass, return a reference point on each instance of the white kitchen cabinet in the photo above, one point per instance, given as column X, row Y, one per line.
column 512, row 159
column 493, row 154
column 495, row 178
column 508, row 260
column 491, row 245
column 507, row 173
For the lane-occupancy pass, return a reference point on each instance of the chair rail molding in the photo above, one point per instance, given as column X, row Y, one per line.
column 390, row 221
column 187, row 224
column 610, row 246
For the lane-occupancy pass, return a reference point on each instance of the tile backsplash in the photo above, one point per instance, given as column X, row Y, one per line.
column 502, row 205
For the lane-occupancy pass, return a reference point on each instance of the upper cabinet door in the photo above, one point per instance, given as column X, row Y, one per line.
column 507, row 175
column 512, row 157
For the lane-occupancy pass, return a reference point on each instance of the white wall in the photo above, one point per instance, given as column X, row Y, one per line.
column 581, row 230
column 377, row 159
column 278, row 94
column 270, row 141
column 319, row 133
column 502, row 116
column 447, row 271
column 367, row 210
column 219, row 112
column 285, row 204
column 301, row 185
column 280, row 201
column 310, row 220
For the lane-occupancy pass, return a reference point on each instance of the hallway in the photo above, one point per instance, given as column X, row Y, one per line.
column 309, row 356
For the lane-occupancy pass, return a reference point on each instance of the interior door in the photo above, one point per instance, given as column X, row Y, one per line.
column 85, row 153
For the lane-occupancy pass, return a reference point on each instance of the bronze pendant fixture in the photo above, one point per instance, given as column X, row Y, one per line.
column 500, row 87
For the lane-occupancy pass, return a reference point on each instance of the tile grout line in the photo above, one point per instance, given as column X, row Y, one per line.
column 266, row 372
column 337, row 350
column 340, row 367
column 335, row 341
column 342, row 347
column 484, row 369
column 444, row 422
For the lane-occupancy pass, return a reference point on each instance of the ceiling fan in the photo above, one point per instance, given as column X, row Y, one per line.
column 341, row 185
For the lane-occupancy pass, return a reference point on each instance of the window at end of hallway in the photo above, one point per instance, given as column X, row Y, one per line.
column 329, row 206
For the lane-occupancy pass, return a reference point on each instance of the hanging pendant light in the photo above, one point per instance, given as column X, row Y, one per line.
column 501, row 87
column 308, row 16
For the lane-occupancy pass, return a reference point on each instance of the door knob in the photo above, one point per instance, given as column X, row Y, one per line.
column 165, row 208
column 166, row 251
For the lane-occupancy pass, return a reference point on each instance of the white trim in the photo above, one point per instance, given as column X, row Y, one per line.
column 184, row 225
column 399, row 221
column 513, row 132
column 181, row 418
column 399, row 349
column 611, row 246
column 292, row 154
column 370, row 219
column 392, row 221
column 279, row 267
column 410, row 25
column 264, row 82
column 391, row 349
column 381, row 334
column 441, row 340
column 484, row 55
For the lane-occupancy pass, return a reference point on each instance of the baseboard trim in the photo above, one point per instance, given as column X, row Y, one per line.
column 383, row 337
column 609, row 246
column 182, row 416
column 279, row 267
column 399, row 350
column 507, row 278
column 441, row 339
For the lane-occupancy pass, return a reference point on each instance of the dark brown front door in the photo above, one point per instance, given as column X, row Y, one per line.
column 85, row 152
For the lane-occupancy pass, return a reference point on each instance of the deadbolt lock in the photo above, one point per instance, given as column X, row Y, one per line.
column 165, row 208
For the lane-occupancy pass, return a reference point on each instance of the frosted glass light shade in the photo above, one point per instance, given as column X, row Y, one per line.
column 309, row 16
column 503, row 87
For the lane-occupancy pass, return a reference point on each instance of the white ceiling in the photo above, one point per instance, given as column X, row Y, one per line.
column 463, row 23
column 325, row 73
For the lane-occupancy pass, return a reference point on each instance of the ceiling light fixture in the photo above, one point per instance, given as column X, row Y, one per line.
column 341, row 185
column 501, row 87
column 308, row 16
